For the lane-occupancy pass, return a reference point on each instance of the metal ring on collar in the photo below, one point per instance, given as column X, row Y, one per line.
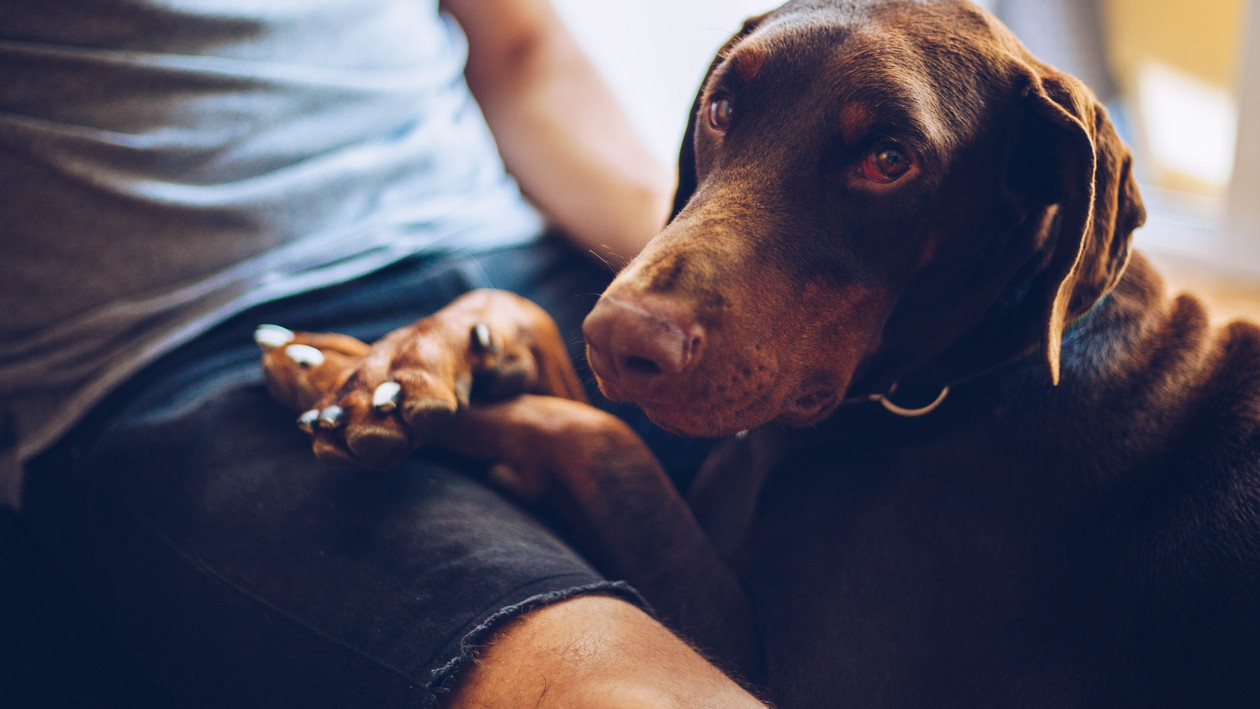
column 911, row 413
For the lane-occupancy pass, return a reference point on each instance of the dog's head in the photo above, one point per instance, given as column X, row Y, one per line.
column 868, row 192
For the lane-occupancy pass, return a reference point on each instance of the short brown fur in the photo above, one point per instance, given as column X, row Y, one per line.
column 1076, row 525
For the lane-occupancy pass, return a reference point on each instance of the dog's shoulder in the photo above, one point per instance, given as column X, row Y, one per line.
column 1175, row 400
column 1159, row 364
column 1156, row 423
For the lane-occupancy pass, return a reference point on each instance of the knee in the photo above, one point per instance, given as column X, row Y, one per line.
column 593, row 652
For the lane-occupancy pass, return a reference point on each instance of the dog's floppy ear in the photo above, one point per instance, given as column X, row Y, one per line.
column 687, row 180
column 1073, row 158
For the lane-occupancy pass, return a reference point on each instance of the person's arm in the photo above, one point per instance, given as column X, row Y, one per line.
column 595, row 651
column 560, row 130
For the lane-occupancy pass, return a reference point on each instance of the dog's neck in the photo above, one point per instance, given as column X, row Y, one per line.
column 922, row 390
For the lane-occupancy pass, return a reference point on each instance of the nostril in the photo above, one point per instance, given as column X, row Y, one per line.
column 641, row 365
column 640, row 345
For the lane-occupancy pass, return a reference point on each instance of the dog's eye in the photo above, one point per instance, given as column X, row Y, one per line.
column 720, row 112
column 885, row 164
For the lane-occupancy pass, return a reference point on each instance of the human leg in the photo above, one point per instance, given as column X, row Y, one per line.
column 244, row 573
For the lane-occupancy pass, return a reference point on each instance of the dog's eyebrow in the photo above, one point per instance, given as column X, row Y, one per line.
column 891, row 75
column 747, row 60
column 862, row 120
column 741, row 62
column 856, row 120
column 900, row 109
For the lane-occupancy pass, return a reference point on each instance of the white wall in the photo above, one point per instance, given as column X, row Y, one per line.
column 654, row 53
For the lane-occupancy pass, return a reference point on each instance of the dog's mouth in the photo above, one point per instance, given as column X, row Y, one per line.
column 743, row 390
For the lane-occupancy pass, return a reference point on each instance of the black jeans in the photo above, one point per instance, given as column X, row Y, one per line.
column 242, row 572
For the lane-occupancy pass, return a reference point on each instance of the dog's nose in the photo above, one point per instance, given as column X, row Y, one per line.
column 640, row 345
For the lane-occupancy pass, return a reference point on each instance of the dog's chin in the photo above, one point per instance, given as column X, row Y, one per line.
column 799, row 412
column 809, row 409
column 684, row 423
column 690, row 419
column 718, row 421
column 679, row 420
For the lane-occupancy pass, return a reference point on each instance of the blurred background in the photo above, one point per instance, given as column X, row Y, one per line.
column 1180, row 77
column 1182, row 81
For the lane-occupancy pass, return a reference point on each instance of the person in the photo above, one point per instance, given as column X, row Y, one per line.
column 176, row 173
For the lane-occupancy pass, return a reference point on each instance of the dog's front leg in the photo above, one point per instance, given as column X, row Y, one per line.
column 545, row 445
column 373, row 405
column 613, row 491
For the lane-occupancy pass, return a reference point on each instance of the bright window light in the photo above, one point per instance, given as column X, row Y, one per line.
column 1190, row 125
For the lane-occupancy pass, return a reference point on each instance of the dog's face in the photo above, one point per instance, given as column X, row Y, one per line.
column 866, row 189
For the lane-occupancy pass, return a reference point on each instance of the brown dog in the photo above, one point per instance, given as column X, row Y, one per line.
column 882, row 204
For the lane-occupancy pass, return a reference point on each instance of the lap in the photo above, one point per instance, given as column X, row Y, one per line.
column 241, row 571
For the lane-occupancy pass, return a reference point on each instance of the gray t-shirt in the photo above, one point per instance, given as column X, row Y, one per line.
column 165, row 164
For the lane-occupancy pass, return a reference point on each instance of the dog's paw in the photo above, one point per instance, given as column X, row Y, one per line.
column 403, row 393
column 306, row 372
column 373, row 405
column 300, row 368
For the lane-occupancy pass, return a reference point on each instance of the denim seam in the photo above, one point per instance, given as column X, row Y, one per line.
column 443, row 678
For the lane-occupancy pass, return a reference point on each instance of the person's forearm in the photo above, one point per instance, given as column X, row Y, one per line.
column 560, row 130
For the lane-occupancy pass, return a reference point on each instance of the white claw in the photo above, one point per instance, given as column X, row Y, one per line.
column 307, row 420
column 305, row 355
column 270, row 337
column 481, row 337
column 332, row 417
column 385, row 398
